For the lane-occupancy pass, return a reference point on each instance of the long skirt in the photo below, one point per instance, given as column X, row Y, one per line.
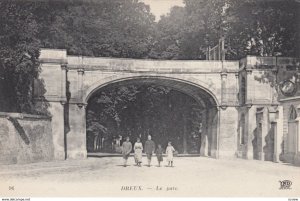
column 170, row 157
column 138, row 155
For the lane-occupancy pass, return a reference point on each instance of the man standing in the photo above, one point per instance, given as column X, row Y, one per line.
column 149, row 149
column 126, row 149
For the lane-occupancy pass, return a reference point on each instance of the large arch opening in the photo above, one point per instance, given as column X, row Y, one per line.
column 169, row 110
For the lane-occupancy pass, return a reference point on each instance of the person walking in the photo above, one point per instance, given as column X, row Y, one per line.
column 149, row 149
column 159, row 154
column 126, row 149
column 138, row 151
column 169, row 151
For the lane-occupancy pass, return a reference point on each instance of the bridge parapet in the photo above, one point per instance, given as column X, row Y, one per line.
column 159, row 66
column 264, row 77
column 269, row 63
column 58, row 56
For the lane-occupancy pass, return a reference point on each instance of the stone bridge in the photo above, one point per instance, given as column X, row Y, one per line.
column 69, row 82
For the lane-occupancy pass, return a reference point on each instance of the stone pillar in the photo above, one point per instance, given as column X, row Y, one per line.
column 277, row 118
column 250, row 88
column 57, row 124
column 76, row 137
column 297, row 152
column 80, row 82
column 213, row 132
column 223, row 88
column 184, row 135
column 53, row 76
column 250, row 115
column 209, row 132
column 237, row 88
column 264, row 133
column 64, row 82
column 215, row 114
column 204, row 139
column 227, row 132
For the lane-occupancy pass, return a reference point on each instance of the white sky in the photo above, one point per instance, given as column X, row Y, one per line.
column 162, row 7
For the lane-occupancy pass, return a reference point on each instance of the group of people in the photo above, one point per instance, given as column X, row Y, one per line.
column 149, row 149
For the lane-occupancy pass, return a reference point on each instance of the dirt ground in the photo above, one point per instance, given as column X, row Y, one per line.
column 191, row 176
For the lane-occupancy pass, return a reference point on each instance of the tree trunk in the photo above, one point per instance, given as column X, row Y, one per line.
column 96, row 142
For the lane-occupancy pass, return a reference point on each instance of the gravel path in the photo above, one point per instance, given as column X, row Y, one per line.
column 191, row 176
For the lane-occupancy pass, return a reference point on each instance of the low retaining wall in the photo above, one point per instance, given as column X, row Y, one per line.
column 25, row 138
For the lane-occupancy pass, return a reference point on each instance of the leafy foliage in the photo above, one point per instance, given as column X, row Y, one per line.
column 140, row 110
column 251, row 27
column 119, row 28
column 264, row 28
column 19, row 52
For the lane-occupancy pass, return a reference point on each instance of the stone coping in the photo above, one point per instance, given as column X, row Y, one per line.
column 268, row 62
column 294, row 98
column 24, row 116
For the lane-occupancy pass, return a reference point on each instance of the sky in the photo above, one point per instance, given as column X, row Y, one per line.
column 162, row 7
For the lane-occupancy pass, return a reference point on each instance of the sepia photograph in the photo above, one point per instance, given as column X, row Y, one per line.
column 149, row 98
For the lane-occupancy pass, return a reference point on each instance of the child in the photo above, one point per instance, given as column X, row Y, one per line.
column 159, row 152
column 169, row 151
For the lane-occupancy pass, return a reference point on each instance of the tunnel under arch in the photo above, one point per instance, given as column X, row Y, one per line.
column 202, row 95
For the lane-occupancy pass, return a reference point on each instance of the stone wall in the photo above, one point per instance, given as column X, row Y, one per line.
column 265, row 107
column 25, row 138
column 291, row 153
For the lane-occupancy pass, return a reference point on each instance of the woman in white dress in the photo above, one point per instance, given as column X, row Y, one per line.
column 169, row 151
column 138, row 151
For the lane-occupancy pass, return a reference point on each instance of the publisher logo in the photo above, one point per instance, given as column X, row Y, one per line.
column 285, row 184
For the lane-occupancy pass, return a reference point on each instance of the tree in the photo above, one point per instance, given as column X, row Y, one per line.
column 264, row 28
column 168, row 35
column 19, row 52
column 140, row 110
column 120, row 28
column 186, row 32
column 96, row 131
column 104, row 114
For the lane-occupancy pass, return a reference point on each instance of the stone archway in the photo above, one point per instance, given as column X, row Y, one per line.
column 203, row 96
column 69, row 81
